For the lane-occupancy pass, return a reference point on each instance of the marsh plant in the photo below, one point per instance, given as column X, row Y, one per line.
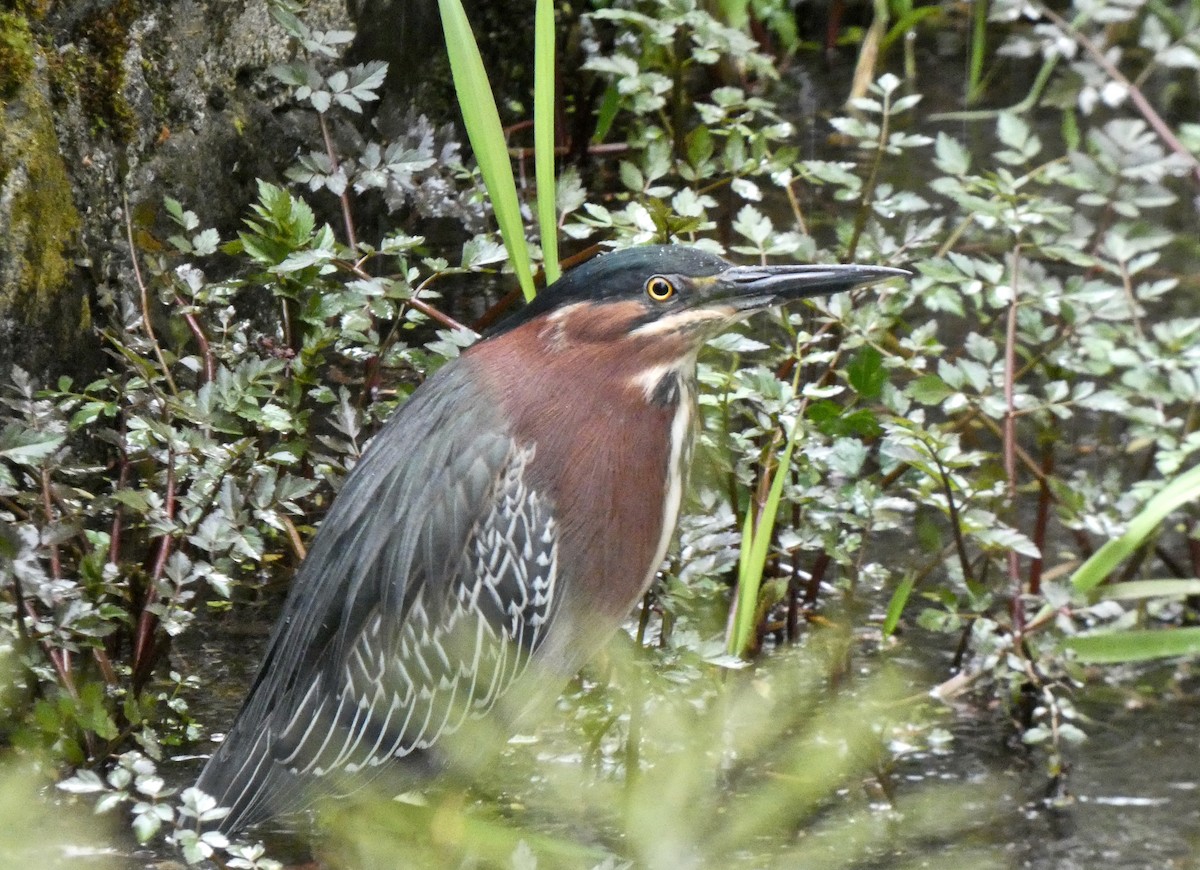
column 956, row 446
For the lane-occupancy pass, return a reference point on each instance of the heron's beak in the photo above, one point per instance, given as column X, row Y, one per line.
column 749, row 288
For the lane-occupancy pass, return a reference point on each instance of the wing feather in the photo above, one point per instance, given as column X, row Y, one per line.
column 426, row 592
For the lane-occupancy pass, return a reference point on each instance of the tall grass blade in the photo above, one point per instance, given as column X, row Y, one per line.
column 979, row 15
column 482, row 121
column 1135, row 645
column 756, row 544
column 1140, row 590
column 543, row 136
column 896, row 605
column 1181, row 490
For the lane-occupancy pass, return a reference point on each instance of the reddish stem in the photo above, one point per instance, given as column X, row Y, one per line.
column 1010, row 445
column 210, row 363
column 1043, row 518
column 114, row 537
column 147, row 621
column 344, row 199
column 48, row 508
column 55, row 560
column 424, row 307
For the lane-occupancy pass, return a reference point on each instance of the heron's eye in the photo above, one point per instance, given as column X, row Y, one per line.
column 659, row 289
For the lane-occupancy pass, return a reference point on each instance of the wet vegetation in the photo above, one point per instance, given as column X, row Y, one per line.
column 995, row 460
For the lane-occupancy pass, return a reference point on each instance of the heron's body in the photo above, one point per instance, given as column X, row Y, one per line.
column 512, row 511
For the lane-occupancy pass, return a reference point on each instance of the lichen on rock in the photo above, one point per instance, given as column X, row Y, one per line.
column 41, row 309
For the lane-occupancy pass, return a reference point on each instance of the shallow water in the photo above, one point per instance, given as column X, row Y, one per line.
column 1129, row 800
column 1131, row 797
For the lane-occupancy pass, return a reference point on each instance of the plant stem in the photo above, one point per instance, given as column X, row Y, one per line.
column 209, row 372
column 145, row 300
column 412, row 302
column 960, row 544
column 147, row 622
column 1010, row 441
column 864, row 207
column 343, row 197
column 1045, row 497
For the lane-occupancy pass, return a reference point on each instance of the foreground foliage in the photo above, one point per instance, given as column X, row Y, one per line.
column 962, row 443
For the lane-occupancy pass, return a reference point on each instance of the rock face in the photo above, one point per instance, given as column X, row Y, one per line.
column 105, row 107
column 40, row 304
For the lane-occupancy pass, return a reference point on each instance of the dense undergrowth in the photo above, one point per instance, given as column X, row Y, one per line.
column 965, row 440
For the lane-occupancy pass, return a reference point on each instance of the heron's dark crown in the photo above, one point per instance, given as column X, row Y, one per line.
column 619, row 276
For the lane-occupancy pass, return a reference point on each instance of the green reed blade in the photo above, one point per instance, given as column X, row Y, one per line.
column 482, row 121
column 1180, row 491
column 752, row 559
column 543, row 136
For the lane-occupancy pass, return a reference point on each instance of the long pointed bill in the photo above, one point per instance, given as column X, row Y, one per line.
column 749, row 288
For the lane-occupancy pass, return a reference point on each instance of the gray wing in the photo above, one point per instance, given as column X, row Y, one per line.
column 428, row 588
column 405, row 684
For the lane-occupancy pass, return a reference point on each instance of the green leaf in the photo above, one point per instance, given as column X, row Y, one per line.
column 610, row 104
column 1135, row 645
column 699, row 146
column 929, row 390
column 1012, row 130
column 631, row 177
column 833, row 420
column 83, row 782
column 896, row 603
column 866, row 373
column 93, row 715
column 952, row 157
column 27, row 446
column 132, row 498
column 908, row 22
column 482, row 121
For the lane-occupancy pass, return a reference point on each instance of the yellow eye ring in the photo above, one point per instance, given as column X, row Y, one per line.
column 659, row 288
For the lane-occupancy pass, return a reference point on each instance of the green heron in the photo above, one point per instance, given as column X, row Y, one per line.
column 512, row 512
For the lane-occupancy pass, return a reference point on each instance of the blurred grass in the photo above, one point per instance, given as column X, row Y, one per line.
column 764, row 767
column 41, row 832
column 40, row 827
column 656, row 759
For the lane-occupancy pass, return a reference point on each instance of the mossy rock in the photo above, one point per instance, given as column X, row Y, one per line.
column 44, row 314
